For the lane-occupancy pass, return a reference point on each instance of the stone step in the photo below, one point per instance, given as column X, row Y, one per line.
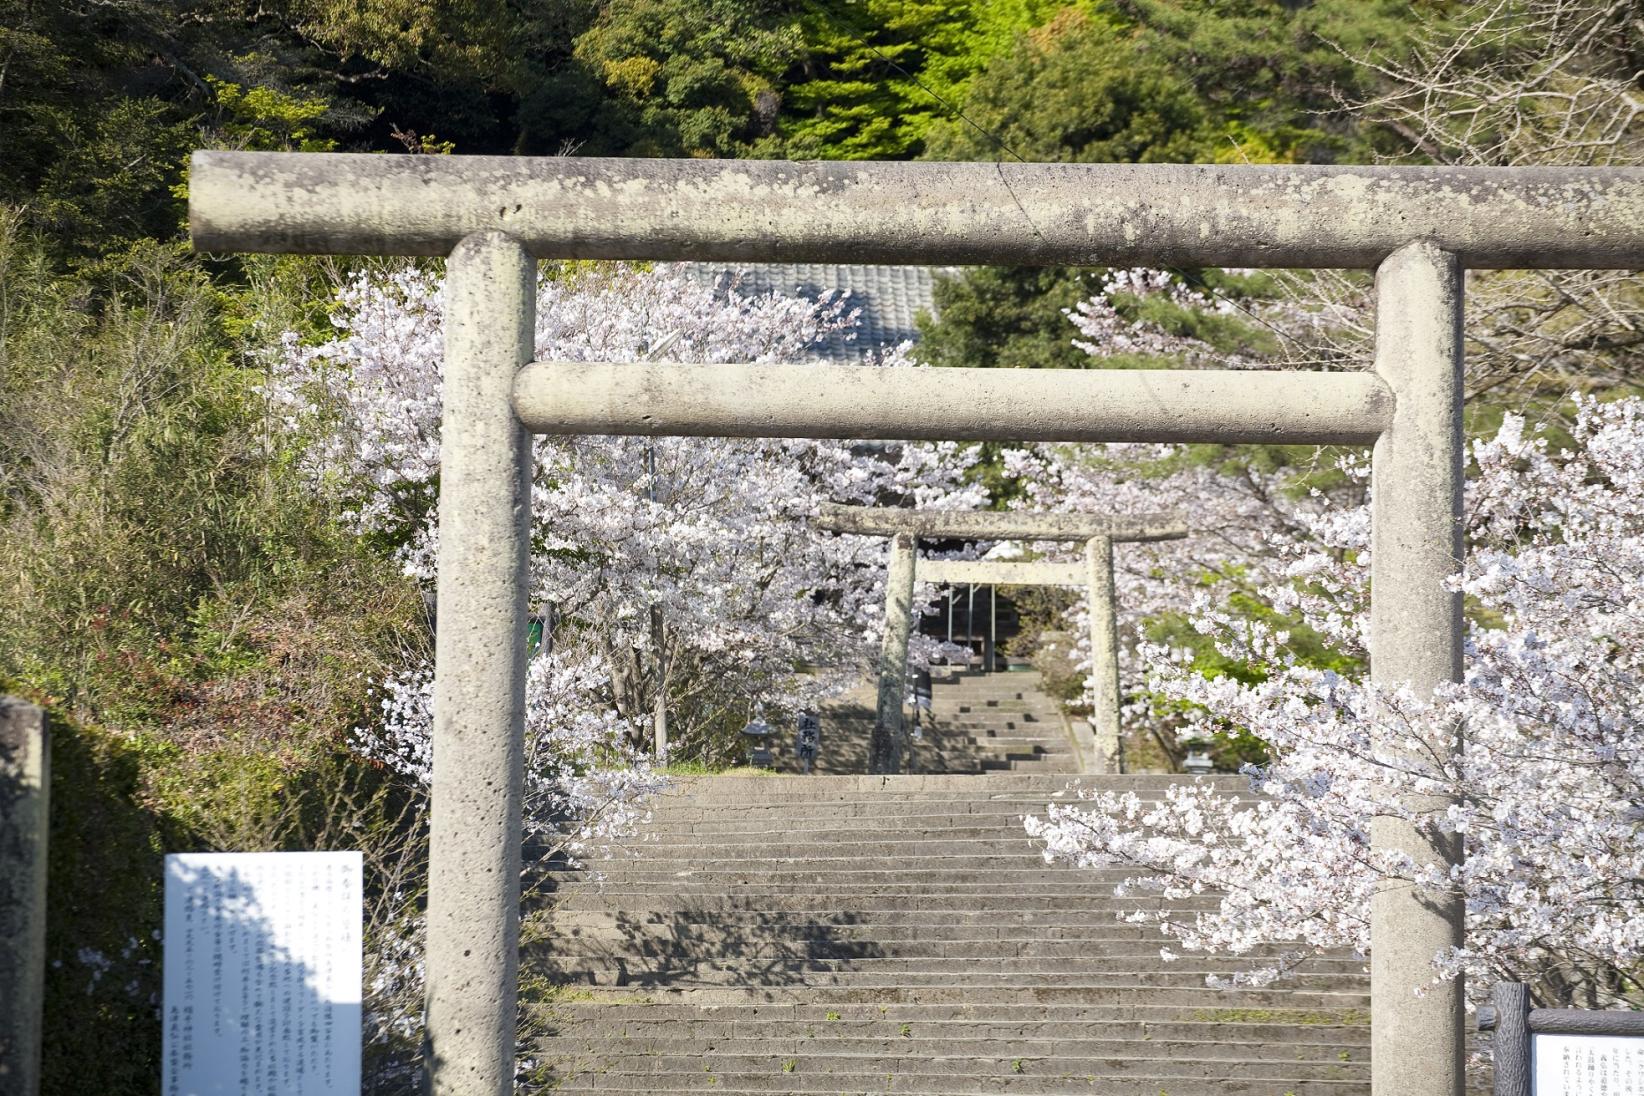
column 989, row 996
column 905, row 816
column 1065, row 954
column 874, row 873
column 799, row 802
column 1163, row 1067
column 818, row 832
column 947, row 924
column 796, row 792
column 1004, row 820
column 1023, row 854
column 958, row 788
column 1078, row 893
column 1142, row 970
column 793, row 975
column 617, row 1048
column 868, row 934
column 1233, row 1009
column 824, row 837
column 566, row 932
column 999, row 843
column 1006, row 735
column 893, row 819
column 817, row 900
column 664, row 858
column 703, row 1026
column 576, row 1085
column 995, row 1075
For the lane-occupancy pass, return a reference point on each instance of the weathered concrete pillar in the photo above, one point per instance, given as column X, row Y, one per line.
column 1415, row 629
column 479, row 676
column 25, row 792
column 1104, row 653
column 885, row 751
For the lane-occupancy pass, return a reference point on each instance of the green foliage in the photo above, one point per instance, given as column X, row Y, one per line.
column 876, row 75
column 692, row 77
column 267, row 120
column 1013, row 317
column 100, row 104
column 493, row 76
column 164, row 566
column 1139, row 81
column 1077, row 90
column 88, row 140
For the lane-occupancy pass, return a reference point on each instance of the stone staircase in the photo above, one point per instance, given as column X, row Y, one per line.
column 999, row 722
column 862, row 934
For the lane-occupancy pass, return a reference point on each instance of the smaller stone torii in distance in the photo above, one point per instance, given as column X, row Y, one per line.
column 906, row 528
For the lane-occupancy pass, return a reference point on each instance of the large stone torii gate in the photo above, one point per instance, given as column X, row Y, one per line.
column 1416, row 227
column 906, row 528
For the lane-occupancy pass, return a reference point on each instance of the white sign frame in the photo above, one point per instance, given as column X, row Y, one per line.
column 263, row 968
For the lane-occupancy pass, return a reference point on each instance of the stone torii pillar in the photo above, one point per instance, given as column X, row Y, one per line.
column 885, row 748
column 905, row 527
column 1104, row 652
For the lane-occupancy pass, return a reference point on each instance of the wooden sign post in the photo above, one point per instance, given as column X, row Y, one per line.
column 1562, row 1051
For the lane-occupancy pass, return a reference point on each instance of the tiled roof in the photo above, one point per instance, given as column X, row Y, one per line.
column 890, row 297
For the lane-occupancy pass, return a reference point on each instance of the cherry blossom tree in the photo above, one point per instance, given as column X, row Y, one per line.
column 1271, row 593
column 1244, row 505
column 679, row 568
column 1545, row 797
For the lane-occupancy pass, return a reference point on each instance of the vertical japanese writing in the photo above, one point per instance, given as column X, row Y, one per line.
column 267, row 945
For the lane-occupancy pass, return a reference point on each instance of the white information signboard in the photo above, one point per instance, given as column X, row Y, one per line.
column 1587, row 1065
column 262, row 974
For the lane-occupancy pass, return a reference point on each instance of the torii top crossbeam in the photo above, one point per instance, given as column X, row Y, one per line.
column 917, row 213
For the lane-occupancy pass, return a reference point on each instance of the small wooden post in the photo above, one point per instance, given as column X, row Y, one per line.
column 25, row 791
column 1511, row 1046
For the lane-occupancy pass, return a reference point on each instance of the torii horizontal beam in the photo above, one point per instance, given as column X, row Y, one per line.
column 1002, row 572
column 1231, row 406
column 1260, row 215
column 879, row 521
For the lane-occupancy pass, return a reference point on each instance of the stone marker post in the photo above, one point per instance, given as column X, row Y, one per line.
column 479, row 690
column 885, row 750
column 1104, row 653
column 25, row 790
column 1415, row 639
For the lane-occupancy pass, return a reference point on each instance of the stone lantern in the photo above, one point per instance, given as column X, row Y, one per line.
column 756, row 734
column 1198, row 760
